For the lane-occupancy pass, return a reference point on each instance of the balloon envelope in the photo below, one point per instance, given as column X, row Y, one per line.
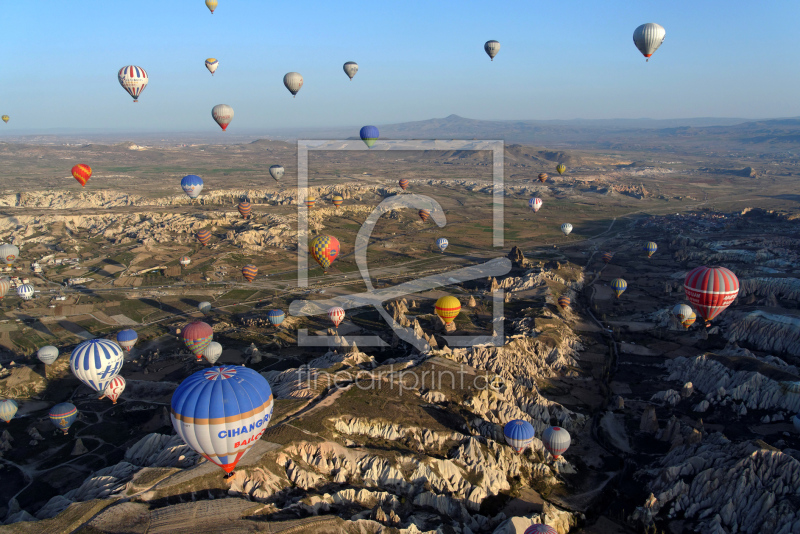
column 337, row 201
column 336, row 315
column 369, row 134
column 133, row 79
column 47, row 354
column 276, row 317
column 8, row 407
column 211, row 5
column 197, row 336
column 350, row 68
column 519, row 434
column 648, row 37
column 538, row 528
column 535, row 204
column 222, row 412
column 277, row 172
column 564, row 301
column 293, row 82
column 192, row 185
column 204, row 236
column 25, row 291
column 204, row 306
column 82, row 173
column 543, row 177
column 211, row 65
column 561, row 168
column 9, row 253
column 212, row 352
column 491, row 48
column 324, row 249
column 63, row 415
column 403, row 184
column 95, row 362
column 711, row 290
column 185, row 260
column 250, row 272
column 114, row 388
column 127, row 338
column 245, row 209
column 442, row 243
column 619, row 286
column 223, row 115
column 424, row 214
column 566, row 228
column 556, row 440
column 6, row 118
column 5, row 285
column 650, row 248
column 607, row 256
column 448, row 308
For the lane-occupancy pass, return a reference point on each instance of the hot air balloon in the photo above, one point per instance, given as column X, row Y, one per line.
column 47, row 354
column 212, row 352
column 324, row 249
column 447, row 308
column 491, row 48
column 710, row 290
column 424, row 214
column 442, row 243
column 336, row 315
column 276, row 171
column 211, row 5
column 63, row 415
column 222, row 412
column 82, row 173
column 350, row 68
column 192, row 185
column 543, row 177
column 619, row 286
column 403, row 184
column 127, row 338
column 556, row 440
column 369, row 134
column 538, row 528
column 566, row 228
column 681, row 311
column 650, row 248
column 204, row 236
column 519, row 434
column 6, row 118
column 8, row 407
column 337, row 201
column 293, row 82
column 25, row 291
column 564, row 301
column 133, row 79
column 204, row 307
column 223, row 115
column 535, row 203
column 5, row 285
column 197, row 336
column 185, row 260
column 648, row 37
column 9, row 253
column 689, row 321
column 95, row 362
column 250, row 272
column 310, row 202
column 114, row 389
column 211, row 65
column 561, row 169
column 607, row 257
column 245, row 209
column 275, row 317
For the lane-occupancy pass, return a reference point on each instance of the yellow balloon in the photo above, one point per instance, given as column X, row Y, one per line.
column 561, row 169
column 5, row 118
column 448, row 308
column 212, row 5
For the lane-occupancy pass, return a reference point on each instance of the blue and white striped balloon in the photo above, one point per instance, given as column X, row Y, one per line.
column 192, row 185
column 96, row 362
column 442, row 243
column 8, row 408
column 519, row 434
column 25, row 291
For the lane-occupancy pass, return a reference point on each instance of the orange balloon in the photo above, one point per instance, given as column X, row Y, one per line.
column 82, row 173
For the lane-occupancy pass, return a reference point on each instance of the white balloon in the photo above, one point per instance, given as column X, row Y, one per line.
column 48, row 354
column 212, row 352
column 95, row 362
column 9, row 253
column 223, row 114
column 492, row 48
column 566, row 228
column 350, row 68
column 648, row 37
column 293, row 82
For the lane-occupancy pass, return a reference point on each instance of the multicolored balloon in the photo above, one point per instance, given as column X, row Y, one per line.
column 556, row 440
column 448, row 308
column 564, row 301
column 47, row 354
column 250, row 272
column 543, row 177
column 8, row 408
column 133, row 79
column 82, row 173
column 403, row 184
column 275, row 317
column 442, row 243
column 619, row 286
column 277, row 172
column 685, row 314
column 424, row 214
column 336, row 315
column 539, row 528
column 689, row 321
column 211, row 65
column 519, row 434
column 223, row 115
column 212, row 352
column 127, row 338
column 711, row 290
column 197, row 336
column 185, row 260
column 650, row 248
column 293, row 82
column 350, row 68
column 222, row 412
column 369, row 134
column 192, row 185
column 26, row 291
column 95, row 362
column 535, row 204
column 204, row 236
column 324, row 249
column 9, row 254
column 607, row 257
column 5, row 285
column 310, row 202
column 491, row 48
column 63, row 415
column 337, row 201
column 114, row 389
column 245, row 209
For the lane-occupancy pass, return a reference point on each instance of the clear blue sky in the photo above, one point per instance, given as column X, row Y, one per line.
column 418, row 60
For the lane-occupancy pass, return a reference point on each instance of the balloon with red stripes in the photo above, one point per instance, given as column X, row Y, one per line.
column 711, row 290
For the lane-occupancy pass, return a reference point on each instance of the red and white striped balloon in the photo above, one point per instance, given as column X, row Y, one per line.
column 711, row 290
column 337, row 315
column 114, row 388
